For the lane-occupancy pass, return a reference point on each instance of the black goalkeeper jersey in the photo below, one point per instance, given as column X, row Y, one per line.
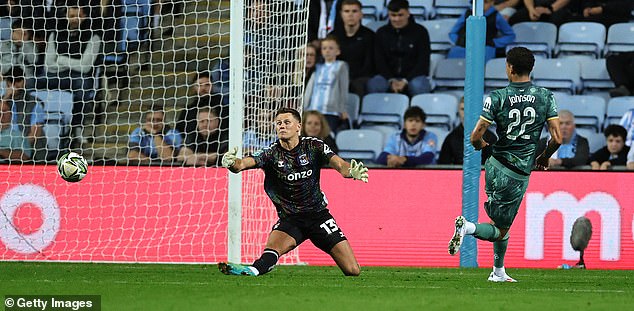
column 292, row 176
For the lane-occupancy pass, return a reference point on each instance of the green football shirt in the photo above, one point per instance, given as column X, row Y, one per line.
column 520, row 111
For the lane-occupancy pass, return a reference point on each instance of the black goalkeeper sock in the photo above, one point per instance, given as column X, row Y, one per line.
column 267, row 261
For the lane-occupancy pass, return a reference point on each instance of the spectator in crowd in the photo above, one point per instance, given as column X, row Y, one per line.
column 323, row 18
column 327, row 89
column 315, row 125
column 312, row 55
column 220, row 79
column 205, row 146
column 413, row 145
column 606, row 12
column 31, row 12
column 615, row 151
column 202, row 96
column 154, row 140
column 402, row 54
column 19, row 52
column 259, row 133
column 508, row 7
column 452, row 150
column 13, row 146
column 27, row 111
column 627, row 121
column 574, row 149
column 499, row 33
column 621, row 69
column 551, row 11
column 630, row 159
column 357, row 46
column 71, row 52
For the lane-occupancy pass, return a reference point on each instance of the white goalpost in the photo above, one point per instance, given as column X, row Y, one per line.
column 125, row 84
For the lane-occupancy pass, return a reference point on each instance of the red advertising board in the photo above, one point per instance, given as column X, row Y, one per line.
column 399, row 218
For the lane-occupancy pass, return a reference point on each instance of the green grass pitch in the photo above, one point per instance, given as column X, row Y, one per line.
column 304, row 288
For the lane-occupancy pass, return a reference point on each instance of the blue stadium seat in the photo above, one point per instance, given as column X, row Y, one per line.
column 441, row 133
column 581, row 38
column 353, row 106
column 596, row 140
column 58, row 109
column 383, row 108
column 433, row 60
column 132, row 29
column 373, row 8
column 594, row 74
column 364, row 145
column 558, row 74
column 5, row 28
column 617, row 107
column 451, row 8
column 386, row 131
column 450, row 73
column 589, row 111
column 438, row 30
column 495, row 74
column 620, row 38
column 441, row 109
column 539, row 37
column 422, row 9
column 375, row 25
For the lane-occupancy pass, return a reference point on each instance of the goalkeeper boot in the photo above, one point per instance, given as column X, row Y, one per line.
column 458, row 235
column 505, row 278
column 234, row 269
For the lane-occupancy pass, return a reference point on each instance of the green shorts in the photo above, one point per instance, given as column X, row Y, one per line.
column 505, row 190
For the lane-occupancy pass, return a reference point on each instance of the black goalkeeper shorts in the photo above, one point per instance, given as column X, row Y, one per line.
column 318, row 227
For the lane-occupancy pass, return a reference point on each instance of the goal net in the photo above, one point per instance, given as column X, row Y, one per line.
column 141, row 89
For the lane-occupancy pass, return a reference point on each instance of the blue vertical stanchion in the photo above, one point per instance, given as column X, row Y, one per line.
column 474, row 89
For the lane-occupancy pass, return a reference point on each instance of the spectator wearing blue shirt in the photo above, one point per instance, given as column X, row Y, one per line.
column 13, row 146
column 154, row 140
column 28, row 115
column 499, row 33
column 413, row 145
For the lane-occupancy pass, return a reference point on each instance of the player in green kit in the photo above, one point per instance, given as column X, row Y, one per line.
column 520, row 111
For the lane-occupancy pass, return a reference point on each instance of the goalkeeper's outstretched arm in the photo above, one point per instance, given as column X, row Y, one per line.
column 354, row 169
column 235, row 164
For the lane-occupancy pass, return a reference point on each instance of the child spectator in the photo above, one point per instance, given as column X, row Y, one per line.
column 615, row 151
column 327, row 89
column 413, row 145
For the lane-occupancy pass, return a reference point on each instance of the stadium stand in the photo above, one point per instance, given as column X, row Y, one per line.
column 495, row 74
column 361, row 144
column 383, row 108
column 451, row 8
column 558, row 74
column 450, row 73
column 617, row 107
column 353, row 107
column 438, row 30
column 589, row 111
column 581, row 38
column 441, row 109
column 539, row 37
column 620, row 38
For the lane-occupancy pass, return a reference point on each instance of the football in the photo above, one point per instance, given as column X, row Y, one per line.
column 72, row 167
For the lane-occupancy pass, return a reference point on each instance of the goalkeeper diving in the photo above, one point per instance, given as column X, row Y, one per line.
column 292, row 168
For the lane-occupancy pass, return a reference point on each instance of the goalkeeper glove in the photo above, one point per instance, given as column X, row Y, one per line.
column 358, row 171
column 229, row 158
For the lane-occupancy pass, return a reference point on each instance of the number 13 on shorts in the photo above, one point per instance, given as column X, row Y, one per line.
column 330, row 226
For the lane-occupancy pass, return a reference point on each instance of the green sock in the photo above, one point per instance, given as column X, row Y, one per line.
column 487, row 232
column 499, row 250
